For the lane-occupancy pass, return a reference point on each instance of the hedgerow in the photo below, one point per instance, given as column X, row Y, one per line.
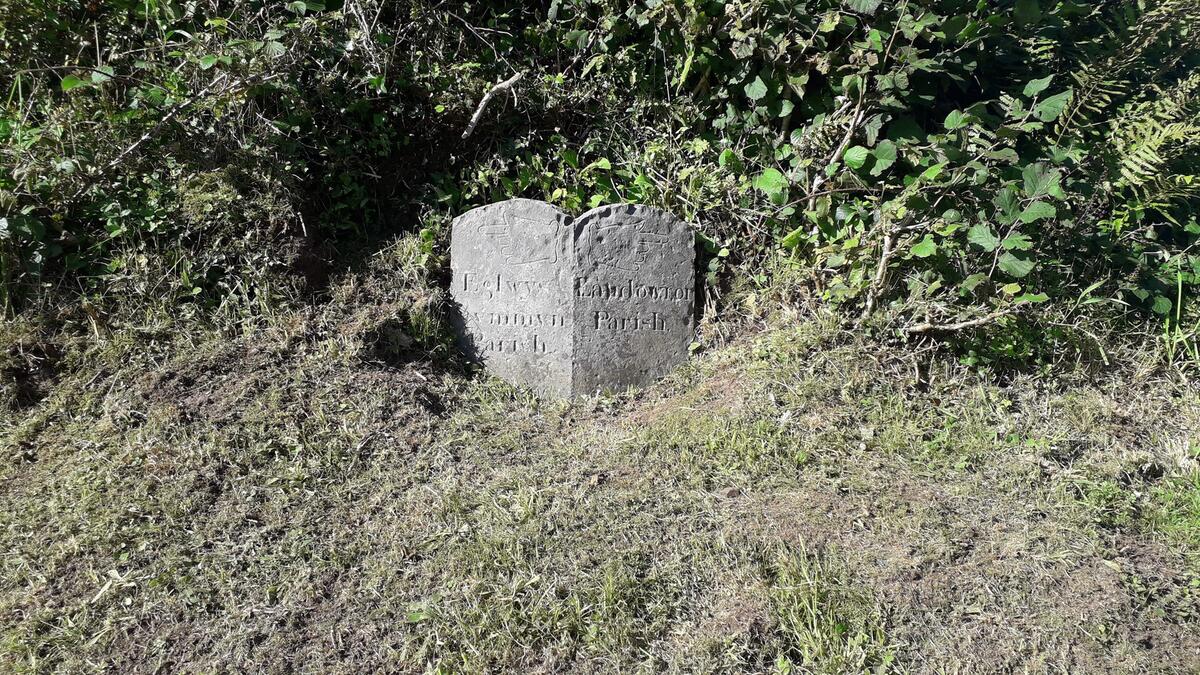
column 927, row 166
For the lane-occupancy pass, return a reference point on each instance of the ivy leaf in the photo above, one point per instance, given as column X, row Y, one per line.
column 856, row 157
column 1017, row 242
column 982, row 236
column 757, row 89
column 885, row 157
column 955, row 120
column 925, row 248
column 1015, row 266
column 1037, row 86
column 70, row 82
column 1038, row 211
column 1049, row 109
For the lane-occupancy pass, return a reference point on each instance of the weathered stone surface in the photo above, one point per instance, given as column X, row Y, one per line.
column 512, row 265
column 569, row 310
column 634, row 284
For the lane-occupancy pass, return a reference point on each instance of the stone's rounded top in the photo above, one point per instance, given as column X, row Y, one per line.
column 518, row 204
column 520, row 232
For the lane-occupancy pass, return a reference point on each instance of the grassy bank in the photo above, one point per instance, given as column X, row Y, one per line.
column 328, row 492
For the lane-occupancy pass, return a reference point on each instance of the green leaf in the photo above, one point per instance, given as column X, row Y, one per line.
column 1031, row 298
column 70, row 82
column 1017, row 242
column 1015, row 266
column 602, row 164
column 1028, row 11
column 792, row 239
column 1004, row 155
column 856, row 156
column 956, row 120
column 972, row 281
column 885, row 157
column 1162, row 305
column 102, row 74
column 208, row 61
column 925, row 248
column 1038, row 211
column 757, row 89
column 1049, row 109
column 1041, row 181
column 1008, row 204
column 933, row 172
column 1037, row 86
column 729, row 159
column 876, row 39
column 863, row 6
column 771, row 182
column 982, row 236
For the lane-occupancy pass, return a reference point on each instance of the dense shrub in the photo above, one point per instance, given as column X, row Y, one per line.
column 940, row 164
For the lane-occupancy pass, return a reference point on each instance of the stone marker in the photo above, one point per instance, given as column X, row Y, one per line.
column 512, row 279
column 571, row 308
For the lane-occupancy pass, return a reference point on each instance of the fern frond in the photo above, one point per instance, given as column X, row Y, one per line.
column 1101, row 84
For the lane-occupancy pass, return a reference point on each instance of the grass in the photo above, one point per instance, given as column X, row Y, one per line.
column 321, row 494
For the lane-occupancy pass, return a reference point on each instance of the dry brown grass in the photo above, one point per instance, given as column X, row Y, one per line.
column 334, row 493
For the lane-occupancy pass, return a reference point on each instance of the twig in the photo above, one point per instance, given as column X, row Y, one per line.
column 487, row 98
column 961, row 325
column 885, row 258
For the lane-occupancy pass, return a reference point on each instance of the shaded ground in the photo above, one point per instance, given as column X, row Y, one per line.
column 291, row 500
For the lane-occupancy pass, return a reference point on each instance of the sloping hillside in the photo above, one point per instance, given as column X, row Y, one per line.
column 319, row 495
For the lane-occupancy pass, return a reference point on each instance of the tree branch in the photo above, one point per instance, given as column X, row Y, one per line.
column 487, row 98
column 961, row 325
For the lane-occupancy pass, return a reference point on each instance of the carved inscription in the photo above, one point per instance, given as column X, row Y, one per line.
column 629, row 290
column 634, row 298
column 511, row 285
column 568, row 308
